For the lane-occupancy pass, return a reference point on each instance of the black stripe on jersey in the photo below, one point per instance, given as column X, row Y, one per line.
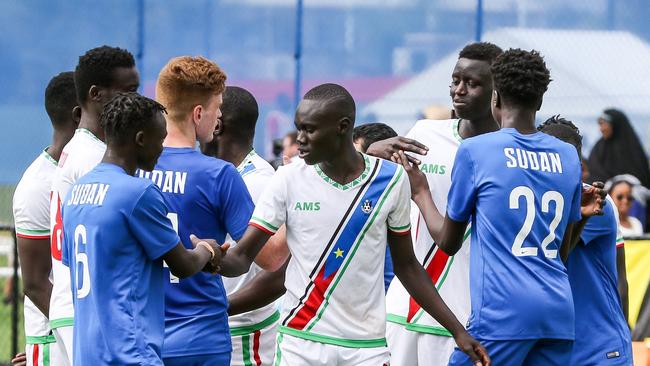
column 323, row 255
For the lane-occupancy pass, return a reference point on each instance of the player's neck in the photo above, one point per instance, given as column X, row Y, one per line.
column 90, row 122
column 521, row 119
column 346, row 166
column 233, row 152
column 59, row 140
column 124, row 159
column 180, row 134
column 470, row 128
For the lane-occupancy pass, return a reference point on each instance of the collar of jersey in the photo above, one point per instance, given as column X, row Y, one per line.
column 49, row 157
column 347, row 186
column 87, row 132
column 454, row 128
column 246, row 160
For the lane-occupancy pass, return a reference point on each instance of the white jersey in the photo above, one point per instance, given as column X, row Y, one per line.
column 449, row 274
column 256, row 173
column 31, row 206
column 337, row 238
column 82, row 153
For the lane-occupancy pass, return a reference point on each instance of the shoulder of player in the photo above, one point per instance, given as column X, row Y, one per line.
column 432, row 125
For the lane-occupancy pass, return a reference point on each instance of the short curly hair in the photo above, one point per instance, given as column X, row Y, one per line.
column 334, row 93
column 60, row 98
column 371, row 133
column 562, row 129
column 521, row 77
column 127, row 113
column 482, row 51
column 96, row 67
column 185, row 82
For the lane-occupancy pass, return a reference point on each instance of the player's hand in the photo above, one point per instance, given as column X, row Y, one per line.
column 20, row 359
column 593, row 200
column 213, row 264
column 386, row 148
column 417, row 179
column 473, row 349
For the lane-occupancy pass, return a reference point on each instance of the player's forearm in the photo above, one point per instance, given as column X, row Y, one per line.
column 189, row 262
column 622, row 280
column 274, row 253
column 234, row 264
column 432, row 217
column 419, row 285
column 36, row 265
column 263, row 289
column 571, row 238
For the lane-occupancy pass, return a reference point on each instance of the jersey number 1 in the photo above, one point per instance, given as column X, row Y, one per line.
column 523, row 191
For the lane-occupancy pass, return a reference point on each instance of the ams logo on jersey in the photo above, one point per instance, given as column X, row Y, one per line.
column 307, row 206
column 433, row 169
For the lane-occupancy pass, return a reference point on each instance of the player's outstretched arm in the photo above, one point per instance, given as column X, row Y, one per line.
column 447, row 233
column 591, row 204
column 622, row 280
column 185, row 262
column 386, row 148
column 275, row 252
column 36, row 264
column 419, row 285
column 238, row 260
column 263, row 289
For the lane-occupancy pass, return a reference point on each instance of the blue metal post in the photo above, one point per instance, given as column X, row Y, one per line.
column 479, row 20
column 140, row 52
column 298, row 54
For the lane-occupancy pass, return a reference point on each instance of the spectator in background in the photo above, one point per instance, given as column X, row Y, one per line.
column 364, row 136
column 276, row 162
column 290, row 146
column 619, row 151
column 620, row 189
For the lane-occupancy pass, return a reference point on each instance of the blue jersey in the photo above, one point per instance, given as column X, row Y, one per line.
column 602, row 335
column 520, row 192
column 208, row 198
column 115, row 233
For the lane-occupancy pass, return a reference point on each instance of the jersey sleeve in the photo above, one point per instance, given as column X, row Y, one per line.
column 150, row 226
column 399, row 218
column 461, row 200
column 271, row 209
column 256, row 183
column 31, row 213
column 235, row 204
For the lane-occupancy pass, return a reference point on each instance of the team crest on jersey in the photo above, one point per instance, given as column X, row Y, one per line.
column 366, row 207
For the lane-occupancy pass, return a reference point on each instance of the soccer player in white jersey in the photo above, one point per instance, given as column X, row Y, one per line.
column 100, row 74
column 31, row 208
column 414, row 337
column 253, row 333
column 340, row 208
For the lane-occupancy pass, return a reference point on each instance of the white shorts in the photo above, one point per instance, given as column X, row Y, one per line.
column 257, row 346
column 292, row 351
column 42, row 351
column 408, row 348
column 63, row 345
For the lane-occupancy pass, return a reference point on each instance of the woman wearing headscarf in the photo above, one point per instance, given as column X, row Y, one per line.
column 619, row 151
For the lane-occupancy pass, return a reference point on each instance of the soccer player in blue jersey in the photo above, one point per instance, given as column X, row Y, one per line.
column 521, row 189
column 602, row 334
column 116, row 235
column 206, row 197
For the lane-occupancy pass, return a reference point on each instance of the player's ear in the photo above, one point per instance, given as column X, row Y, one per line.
column 218, row 129
column 345, row 124
column 95, row 93
column 75, row 114
column 197, row 112
column 496, row 99
column 139, row 138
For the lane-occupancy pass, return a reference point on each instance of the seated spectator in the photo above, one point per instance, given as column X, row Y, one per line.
column 621, row 192
column 619, row 151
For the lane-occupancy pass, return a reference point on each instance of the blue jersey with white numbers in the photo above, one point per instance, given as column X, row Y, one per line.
column 520, row 191
column 208, row 198
column 602, row 335
column 115, row 231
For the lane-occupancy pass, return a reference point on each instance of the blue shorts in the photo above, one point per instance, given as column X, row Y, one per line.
column 528, row 352
column 217, row 359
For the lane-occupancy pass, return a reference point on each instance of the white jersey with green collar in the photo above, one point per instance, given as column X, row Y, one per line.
column 82, row 153
column 256, row 173
column 449, row 274
column 31, row 209
column 337, row 237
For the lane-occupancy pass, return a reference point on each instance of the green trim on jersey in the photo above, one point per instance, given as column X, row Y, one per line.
column 454, row 129
column 620, row 240
column 87, row 132
column 266, row 224
column 331, row 288
column 401, row 320
column 32, row 232
column 247, row 159
column 246, row 349
column 350, row 343
column 400, row 228
column 354, row 183
column 61, row 322
column 278, row 351
column 49, row 157
column 46, row 355
column 248, row 329
column 40, row 339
